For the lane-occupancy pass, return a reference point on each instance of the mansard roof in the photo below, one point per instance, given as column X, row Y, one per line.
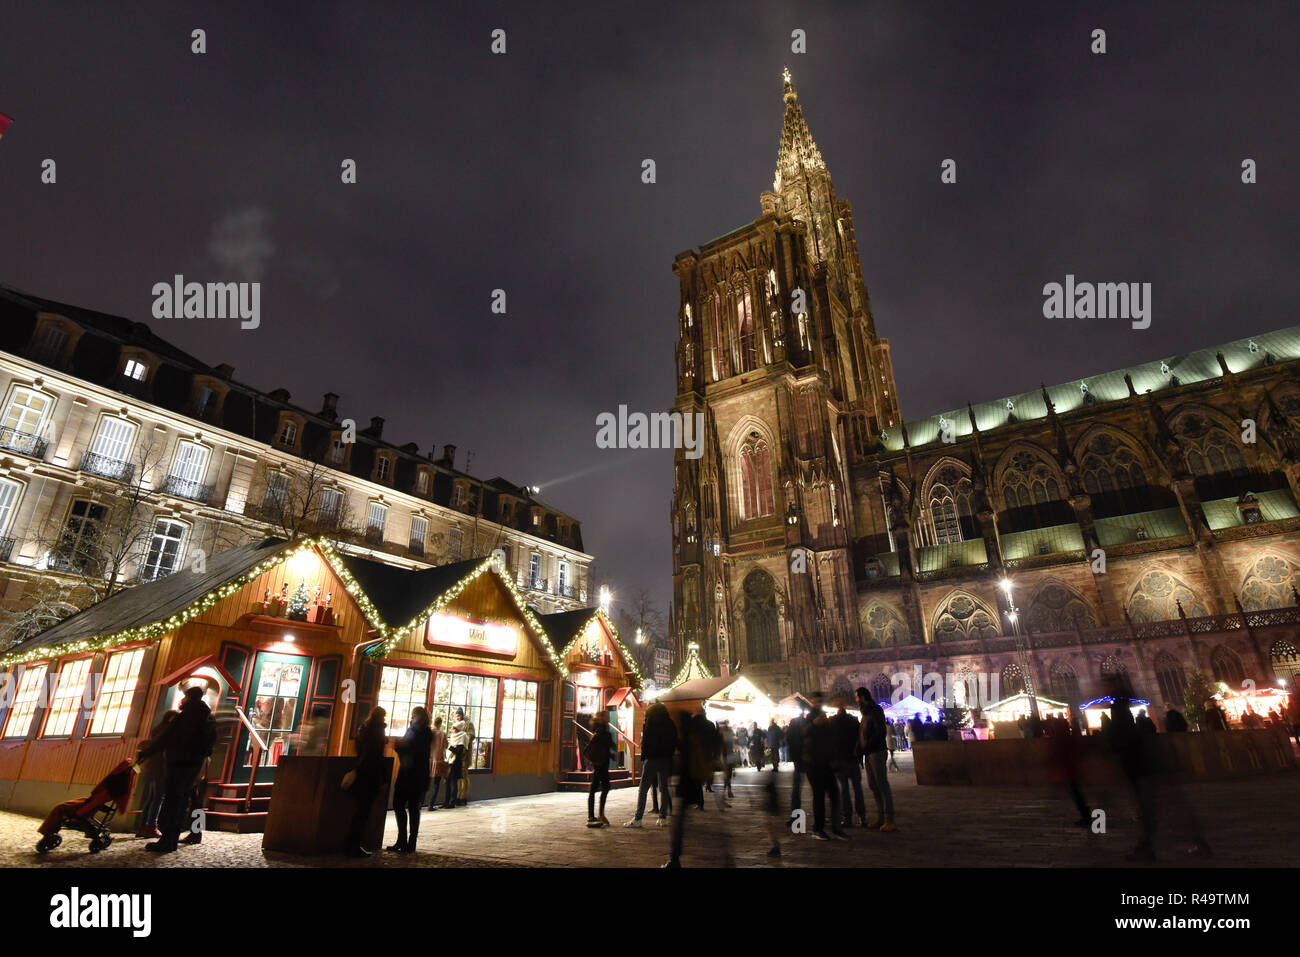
column 1155, row 376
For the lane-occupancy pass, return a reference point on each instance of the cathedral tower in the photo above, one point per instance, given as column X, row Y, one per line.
column 778, row 349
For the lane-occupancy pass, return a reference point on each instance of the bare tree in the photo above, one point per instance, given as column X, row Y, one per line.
column 303, row 501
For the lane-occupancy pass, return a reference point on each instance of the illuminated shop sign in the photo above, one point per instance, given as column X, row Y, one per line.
column 448, row 631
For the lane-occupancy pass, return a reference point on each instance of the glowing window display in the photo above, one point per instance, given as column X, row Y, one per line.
column 70, row 686
column 453, row 632
column 400, row 690
column 477, row 695
column 24, row 706
column 275, row 711
column 518, row 710
column 113, row 706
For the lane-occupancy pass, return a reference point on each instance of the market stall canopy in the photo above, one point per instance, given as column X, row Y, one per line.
column 911, row 706
column 692, row 670
column 1019, row 704
column 566, row 628
column 726, row 688
column 793, row 704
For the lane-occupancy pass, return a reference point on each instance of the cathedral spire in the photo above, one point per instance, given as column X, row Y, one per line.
column 798, row 151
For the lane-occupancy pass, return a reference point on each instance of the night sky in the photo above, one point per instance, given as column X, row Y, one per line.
column 522, row 172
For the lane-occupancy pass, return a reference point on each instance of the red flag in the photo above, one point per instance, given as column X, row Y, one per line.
column 5, row 120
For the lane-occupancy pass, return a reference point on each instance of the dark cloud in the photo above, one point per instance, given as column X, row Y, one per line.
column 522, row 172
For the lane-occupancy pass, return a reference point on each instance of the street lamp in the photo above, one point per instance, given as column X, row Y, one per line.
column 640, row 638
column 1022, row 650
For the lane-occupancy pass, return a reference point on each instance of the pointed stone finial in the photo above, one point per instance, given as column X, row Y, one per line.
column 789, row 92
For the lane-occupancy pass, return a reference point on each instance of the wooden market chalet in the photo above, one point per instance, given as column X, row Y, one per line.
column 293, row 644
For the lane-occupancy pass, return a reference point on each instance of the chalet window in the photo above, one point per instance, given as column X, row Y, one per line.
column 19, row 720
column 518, row 710
column 135, row 370
column 477, row 695
column 419, row 530
column 288, row 433
column 455, row 544
column 400, row 690
column 113, row 706
column 24, row 416
column 70, row 685
column 164, row 550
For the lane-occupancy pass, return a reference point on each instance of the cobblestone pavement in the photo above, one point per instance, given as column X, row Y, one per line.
column 1248, row 822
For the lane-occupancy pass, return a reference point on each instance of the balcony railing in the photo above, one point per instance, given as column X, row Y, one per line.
column 22, row 443
column 184, row 488
column 108, row 467
column 534, row 584
column 6, row 548
column 416, row 546
column 374, row 535
column 565, row 591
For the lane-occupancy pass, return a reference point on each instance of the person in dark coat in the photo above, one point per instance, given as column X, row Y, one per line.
column 774, row 741
column 818, row 752
column 872, row 741
column 186, row 743
column 414, row 752
column 742, row 742
column 369, row 780
column 757, row 745
column 700, row 746
column 845, row 766
column 794, row 750
column 1174, row 720
column 658, row 744
column 597, row 752
column 150, row 783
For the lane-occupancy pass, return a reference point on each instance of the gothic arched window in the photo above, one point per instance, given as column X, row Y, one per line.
column 1013, row 680
column 1214, row 457
column 882, row 625
column 1064, row 682
column 1032, row 494
column 963, row 617
column 1226, row 666
column 1285, row 660
column 756, row 496
column 744, row 344
column 763, row 638
column 1270, row 583
column 1171, row 679
column 949, row 501
column 1157, row 595
column 882, row 689
column 1057, row 607
column 1112, row 474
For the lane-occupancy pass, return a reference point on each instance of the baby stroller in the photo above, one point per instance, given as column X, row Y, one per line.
column 90, row 815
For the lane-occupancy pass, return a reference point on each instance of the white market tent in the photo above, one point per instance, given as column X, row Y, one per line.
column 1017, row 705
column 910, row 706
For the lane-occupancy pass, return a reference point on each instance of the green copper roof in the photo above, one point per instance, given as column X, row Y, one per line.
column 1274, row 505
column 1058, row 538
column 930, row 558
column 1155, row 376
column 1122, row 529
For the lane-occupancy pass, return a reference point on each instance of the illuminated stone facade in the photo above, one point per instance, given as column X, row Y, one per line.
column 822, row 541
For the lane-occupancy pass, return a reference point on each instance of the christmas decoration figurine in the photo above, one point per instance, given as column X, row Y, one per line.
column 298, row 603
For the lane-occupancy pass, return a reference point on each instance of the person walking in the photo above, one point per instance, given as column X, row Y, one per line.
column 818, row 751
column 439, row 768
column 794, row 749
column 742, row 742
column 414, row 752
column 152, row 772
column 698, row 765
column 368, row 778
column 871, row 742
column 658, row 744
column 185, row 743
column 891, row 744
column 844, row 764
column 730, row 756
column 597, row 752
column 774, row 741
column 1174, row 720
column 757, row 745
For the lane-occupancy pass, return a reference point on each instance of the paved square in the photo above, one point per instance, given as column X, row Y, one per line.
column 1249, row 822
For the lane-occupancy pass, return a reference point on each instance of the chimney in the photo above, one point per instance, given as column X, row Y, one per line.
column 225, row 371
column 329, row 407
column 449, row 456
column 376, row 426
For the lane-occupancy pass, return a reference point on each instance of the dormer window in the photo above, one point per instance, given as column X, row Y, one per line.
column 135, row 369
column 458, row 496
column 288, row 433
column 422, row 482
column 383, row 468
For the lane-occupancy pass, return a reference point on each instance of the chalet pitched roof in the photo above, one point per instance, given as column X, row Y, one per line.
column 401, row 594
column 153, row 602
column 563, row 628
column 698, row 689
